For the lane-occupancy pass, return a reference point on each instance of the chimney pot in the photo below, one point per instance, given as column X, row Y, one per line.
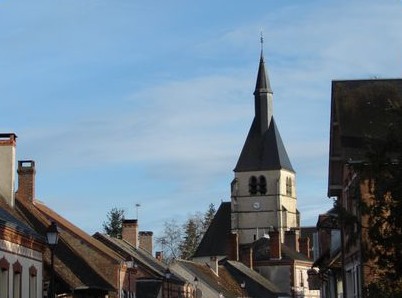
column 26, row 180
column 130, row 231
column 305, row 246
column 292, row 239
column 7, row 166
column 145, row 239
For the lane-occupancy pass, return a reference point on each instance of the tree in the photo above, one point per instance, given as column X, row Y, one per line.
column 170, row 240
column 114, row 224
column 183, row 240
column 191, row 239
column 208, row 217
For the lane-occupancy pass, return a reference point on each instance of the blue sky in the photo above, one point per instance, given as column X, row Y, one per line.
column 149, row 102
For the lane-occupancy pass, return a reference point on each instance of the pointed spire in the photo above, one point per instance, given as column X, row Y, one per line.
column 262, row 84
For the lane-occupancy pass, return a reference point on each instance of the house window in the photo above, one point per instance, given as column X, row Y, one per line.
column 33, row 282
column 252, row 185
column 262, row 185
column 17, row 269
column 4, row 268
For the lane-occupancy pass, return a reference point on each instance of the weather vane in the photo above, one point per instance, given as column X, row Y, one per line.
column 262, row 41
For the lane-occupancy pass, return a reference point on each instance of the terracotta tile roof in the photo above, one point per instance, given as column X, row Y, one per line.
column 258, row 284
column 224, row 283
column 262, row 251
column 143, row 258
column 81, row 262
column 71, row 228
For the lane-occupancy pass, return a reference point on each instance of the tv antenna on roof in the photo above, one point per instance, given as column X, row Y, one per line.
column 137, row 206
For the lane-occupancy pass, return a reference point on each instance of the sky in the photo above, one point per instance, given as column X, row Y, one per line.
column 149, row 102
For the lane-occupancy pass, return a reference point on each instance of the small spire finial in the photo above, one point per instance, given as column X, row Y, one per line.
column 262, row 41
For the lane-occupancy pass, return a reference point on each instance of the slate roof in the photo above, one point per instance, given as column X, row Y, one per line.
column 263, row 149
column 266, row 152
column 263, row 83
column 9, row 218
column 360, row 111
column 216, row 240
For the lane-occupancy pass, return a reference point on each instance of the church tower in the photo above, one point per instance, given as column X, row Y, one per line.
column 263, row 192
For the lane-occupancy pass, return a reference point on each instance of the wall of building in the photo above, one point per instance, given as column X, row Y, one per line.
column 253, row 215
column 28, row 258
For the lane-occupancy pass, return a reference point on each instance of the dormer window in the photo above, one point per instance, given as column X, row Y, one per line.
column 252, row 185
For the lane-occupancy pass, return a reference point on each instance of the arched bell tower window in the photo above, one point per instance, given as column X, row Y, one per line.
column 262, row 185
column 257, row 186
column 252, row 185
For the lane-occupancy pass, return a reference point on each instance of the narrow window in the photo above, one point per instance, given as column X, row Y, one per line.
column 17, row 269
column 33, row 282
column 4, row 267
column 252, row 184
column 262, row 185
column 288, row 186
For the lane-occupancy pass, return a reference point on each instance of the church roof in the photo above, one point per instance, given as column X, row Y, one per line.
column 263, row 149
column 263, row 152
column 216, row 241
column 262, row 77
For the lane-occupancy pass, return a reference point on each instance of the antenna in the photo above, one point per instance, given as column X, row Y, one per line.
column 137, row 206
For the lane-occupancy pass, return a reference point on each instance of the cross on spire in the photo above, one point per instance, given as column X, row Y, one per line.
column 262, row 42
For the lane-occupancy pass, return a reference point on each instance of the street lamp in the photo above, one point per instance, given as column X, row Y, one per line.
column 195, row 284
column 243, row 286
column 168, row 275
column 130, row 264
column 52, row 238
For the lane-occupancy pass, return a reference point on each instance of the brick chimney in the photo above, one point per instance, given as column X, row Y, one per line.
column 246, row 256
column 130, row 231
column 234, row 247
column 305, row 246
column 145, row 238
column 26, row 180
column 7, row 167
column 292, row 239
column 274, row 245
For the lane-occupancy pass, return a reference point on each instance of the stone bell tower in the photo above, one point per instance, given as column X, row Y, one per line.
column 263, row 192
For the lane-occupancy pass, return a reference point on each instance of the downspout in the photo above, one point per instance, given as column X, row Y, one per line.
column 119, row 286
